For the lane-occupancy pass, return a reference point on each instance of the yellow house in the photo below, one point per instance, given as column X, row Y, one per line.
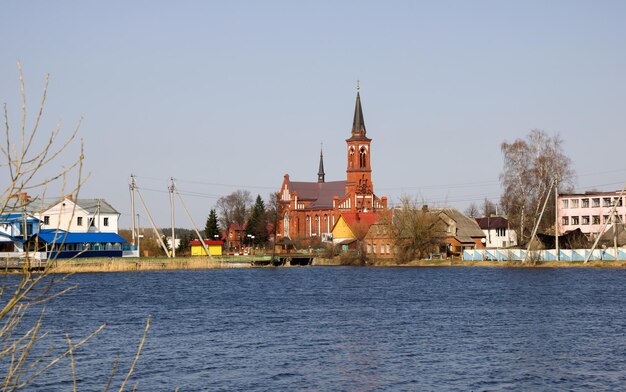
column 215, row 247
column 364, row 227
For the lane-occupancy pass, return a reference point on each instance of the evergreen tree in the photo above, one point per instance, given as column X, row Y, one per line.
column 212, row 229
column 183, row 246
column 257, row 224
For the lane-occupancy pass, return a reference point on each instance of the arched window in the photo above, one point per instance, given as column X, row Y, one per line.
column 317, row 225
column 308, row 226
column 286, row 225
column 362, row 157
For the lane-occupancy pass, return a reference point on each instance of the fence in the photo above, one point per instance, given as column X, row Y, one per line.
column 17, row 259
column 543, row 255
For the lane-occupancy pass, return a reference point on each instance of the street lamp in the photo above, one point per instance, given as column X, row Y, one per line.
column 251, row 243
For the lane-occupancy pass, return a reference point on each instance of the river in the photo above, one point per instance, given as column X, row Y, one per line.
column 346, row 329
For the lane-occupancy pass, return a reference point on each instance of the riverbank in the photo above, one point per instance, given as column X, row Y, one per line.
column 199, row 263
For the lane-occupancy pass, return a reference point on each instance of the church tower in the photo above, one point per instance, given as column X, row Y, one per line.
column 359, row 172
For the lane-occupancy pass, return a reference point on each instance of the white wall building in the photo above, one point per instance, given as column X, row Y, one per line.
column 589, row 211
column 497, row 232
column 79, row 216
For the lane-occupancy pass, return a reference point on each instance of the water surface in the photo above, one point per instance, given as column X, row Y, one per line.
column 344, row 328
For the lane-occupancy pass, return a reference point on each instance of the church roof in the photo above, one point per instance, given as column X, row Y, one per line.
column 320, row 172
column 358, row 124
column 321, row 193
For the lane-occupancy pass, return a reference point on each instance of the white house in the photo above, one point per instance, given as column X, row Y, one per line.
column 16, row 229
column 497, row 232
column 79, row 216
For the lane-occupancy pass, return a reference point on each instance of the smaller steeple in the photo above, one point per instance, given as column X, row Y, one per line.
column 320, row 172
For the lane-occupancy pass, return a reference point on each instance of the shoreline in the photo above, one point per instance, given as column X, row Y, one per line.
column 201, row 263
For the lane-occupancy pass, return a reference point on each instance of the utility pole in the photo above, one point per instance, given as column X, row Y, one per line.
column 532, row 236
column 172, row 188
column 131, row 187
column 156, row 232
column 202, row 242
column 556, row 217
column 138, row 236
column 612, row 218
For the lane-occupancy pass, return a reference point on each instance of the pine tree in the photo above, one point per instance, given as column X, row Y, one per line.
column 257, row 225
column 212, row 229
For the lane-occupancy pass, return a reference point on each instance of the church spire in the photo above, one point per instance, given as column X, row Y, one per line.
column 320, row 172
column 358, row 124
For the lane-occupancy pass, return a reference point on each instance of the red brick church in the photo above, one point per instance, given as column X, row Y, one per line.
column 310, row 209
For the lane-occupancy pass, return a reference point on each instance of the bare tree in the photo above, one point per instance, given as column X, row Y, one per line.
column 529, row 168
column 416, row 232
column 489, row 207
column 472, row 211
column 25, row 158
column 234, row 208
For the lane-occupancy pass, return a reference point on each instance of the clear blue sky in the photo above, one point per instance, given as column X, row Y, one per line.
column 233, row 94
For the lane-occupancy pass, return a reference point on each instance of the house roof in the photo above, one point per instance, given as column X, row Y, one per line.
column 207, row 242
column 17, row 217
column 89, row 205
column 320, row 193
column 53, row 236
column 464, row 224
column 493, row 222
column 354, row 219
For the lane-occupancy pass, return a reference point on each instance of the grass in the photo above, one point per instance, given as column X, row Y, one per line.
column 200, row 263
column 143, row 264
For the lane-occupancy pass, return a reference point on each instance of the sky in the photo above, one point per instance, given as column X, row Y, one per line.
column 227, row 95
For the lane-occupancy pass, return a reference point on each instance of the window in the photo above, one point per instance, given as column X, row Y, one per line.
column 585, row 220
column 565, row 220
column 565, row 203
column 106, row 221
column 362, row 157
column 501, row 232
column 575, row 221
column 79, row 221
column 585, row 203
column 46, row 220
column 595, row 220
column 574, row 203
column 369, row 248
column 374, row 248
column 605, row 219
column 595, row 202
column 619, row 201
column 387, row 249
column 91, row 222
column 606, row 202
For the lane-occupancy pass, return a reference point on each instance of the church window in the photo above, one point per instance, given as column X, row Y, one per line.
column 317, row 224
column 286, row 225
column 362, row 157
